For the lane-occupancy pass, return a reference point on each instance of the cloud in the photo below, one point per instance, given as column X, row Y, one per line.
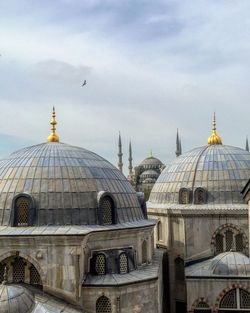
column 150, row 67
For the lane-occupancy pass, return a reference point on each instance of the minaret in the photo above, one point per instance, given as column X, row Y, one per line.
column 130, row 159
column 120, row 164
column 53, row 136
column 178, row 145
column 247, row 146
column 214, row 139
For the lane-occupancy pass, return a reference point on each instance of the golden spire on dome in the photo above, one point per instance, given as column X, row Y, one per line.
column 53, row 136
column 214, row 139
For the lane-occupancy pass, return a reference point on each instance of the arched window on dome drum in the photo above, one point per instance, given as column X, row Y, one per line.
column 107, row 211
column 103, row 305
column 144, row 252
column 100, row 264
column 202, row 307
column 184, row 196
column 200, row 196
column 123, row 263
column 238, row 299
column 23, row 211
column 179, row 269
column 159, row 231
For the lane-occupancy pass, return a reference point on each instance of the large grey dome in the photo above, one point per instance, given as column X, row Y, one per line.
column 64, row 182
column 221, row 170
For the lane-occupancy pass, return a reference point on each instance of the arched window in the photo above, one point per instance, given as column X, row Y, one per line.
column 219, row 243
column 229, row 237
column 35, row 278
column 123, row 263
column 18, row 270
column 23, row 211
column 202, row 307
column 103, row 305
column 107, row 211
column 144, row 252
column 159, row 231
column 100, row 264
column 179, row 269
column 184, row 196
column 200, row 196
column 2, row 267
column 238, row 299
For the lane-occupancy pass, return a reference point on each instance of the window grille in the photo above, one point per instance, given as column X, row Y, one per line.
column 179, row 269
column 100, row 264
column 229, row 301
column 229, row 239
column 18, row 270
column 123, row 263
column 202, row 307
column 239, row 242
column 159, row 231
column 107, row 207
column 184, row 196
column 244, row 299
column 219, row 243
column 2, row 267
column 22, row 212
column 103, row 305
column 200, row 196
column 144, row 252
column 35, row 278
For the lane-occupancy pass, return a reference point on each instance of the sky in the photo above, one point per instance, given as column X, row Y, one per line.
column 151, row 67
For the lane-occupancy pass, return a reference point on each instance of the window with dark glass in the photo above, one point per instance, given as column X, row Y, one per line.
column 237, row 300
column 123, row 263
column 184, row 196
column 107, row 211
column 199, row 196
column 100, row 264
column 103, row 305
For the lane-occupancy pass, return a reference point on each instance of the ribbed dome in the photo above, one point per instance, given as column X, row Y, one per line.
column 221, row 170
column 64, row 181
column 15, row 299
column 151, row 162
column 224, row 264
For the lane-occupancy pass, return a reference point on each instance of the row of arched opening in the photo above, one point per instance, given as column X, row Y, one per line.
column 235, row 300
column 199, row 196
column 20, row 270
column 226, row 238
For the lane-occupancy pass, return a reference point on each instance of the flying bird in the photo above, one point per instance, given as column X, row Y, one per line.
column 84, row 83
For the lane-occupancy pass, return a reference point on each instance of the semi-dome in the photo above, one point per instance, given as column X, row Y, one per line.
column 218, row 170
column 63, row 182
column 224, row 264
column 15, row 299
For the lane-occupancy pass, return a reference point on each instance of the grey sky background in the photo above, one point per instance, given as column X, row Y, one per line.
column 151, row 67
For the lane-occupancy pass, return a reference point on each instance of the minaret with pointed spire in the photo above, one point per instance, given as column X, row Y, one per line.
column 130, row 159
column 214, row 139
column 178, row 145
column 53, row 137
column 120, row 154
column 247, row 145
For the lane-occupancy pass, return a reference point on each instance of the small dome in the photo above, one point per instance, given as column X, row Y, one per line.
column 222, row 171
column 224, row 264
column 15, row 299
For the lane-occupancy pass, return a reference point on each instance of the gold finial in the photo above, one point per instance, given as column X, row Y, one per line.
column 214, row 139
column 53, row 136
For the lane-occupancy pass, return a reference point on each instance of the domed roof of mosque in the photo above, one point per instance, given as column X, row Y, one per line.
column 151, row 162
column 221, row 171
column 149, row 173
column 64, row 182
column 224, row 264
column 15, row 299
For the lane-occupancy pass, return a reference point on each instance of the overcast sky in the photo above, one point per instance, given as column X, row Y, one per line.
column 151, row 67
